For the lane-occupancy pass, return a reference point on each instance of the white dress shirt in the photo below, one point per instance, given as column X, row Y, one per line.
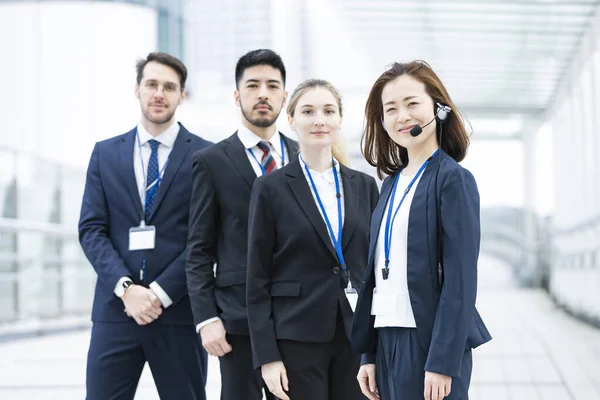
column 397, row 283
column 166, row 140
column 250, row 142
column 325, row 183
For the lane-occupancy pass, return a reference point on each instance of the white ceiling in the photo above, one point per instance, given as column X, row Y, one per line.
column 499, row 59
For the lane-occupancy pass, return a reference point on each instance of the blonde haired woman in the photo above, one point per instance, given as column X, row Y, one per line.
column 307, row 251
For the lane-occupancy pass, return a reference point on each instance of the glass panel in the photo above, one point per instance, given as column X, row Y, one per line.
column 36, row 183
column 180, row 39
column 8, row 268
column 595, row 148
column 163, row 31
column 588, row 109
column 41, row 198
column 72, row 185
column 8, row 185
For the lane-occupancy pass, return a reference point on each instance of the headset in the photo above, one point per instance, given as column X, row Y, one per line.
column 442, row 115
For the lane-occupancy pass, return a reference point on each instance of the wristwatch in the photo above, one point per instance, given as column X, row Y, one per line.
column 120, row 291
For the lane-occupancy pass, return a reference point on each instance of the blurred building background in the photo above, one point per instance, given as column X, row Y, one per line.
column 526, row 74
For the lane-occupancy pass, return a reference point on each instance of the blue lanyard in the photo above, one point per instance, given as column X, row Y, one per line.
column 282, row 143
column 154, row 188
column 389, row 224
column 336, row 241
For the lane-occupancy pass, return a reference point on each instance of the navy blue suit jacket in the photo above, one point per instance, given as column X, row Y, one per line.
column 111, row 205
column 447, row 322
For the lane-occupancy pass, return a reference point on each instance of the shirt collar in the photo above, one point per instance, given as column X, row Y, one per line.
column 167, row 138
column 327, row 174
column 250, row 139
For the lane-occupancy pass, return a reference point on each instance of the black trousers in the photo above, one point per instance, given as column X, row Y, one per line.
column 239, row 380
column 400, row 367
column 119, row 351
column 322, row 371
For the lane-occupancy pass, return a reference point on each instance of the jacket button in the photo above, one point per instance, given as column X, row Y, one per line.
column 336, row 270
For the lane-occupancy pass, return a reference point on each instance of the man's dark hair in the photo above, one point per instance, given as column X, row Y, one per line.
column 164, row 59
column 259, row 57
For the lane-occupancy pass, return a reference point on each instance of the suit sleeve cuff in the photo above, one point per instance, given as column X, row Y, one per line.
column 161, row 294
column 208, row 321
column 118, row 290
column 367, row 358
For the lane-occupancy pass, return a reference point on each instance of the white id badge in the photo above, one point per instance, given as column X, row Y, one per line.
column 352, row 297
column 384, row 303
column 142, row 238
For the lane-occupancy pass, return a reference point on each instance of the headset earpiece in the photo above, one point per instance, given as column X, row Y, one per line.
column 442, row 112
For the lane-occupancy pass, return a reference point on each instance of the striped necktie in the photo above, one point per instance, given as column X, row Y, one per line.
column 267, row 160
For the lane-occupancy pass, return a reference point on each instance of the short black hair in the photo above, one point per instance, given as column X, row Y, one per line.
column 259, row 57
column 164, row 59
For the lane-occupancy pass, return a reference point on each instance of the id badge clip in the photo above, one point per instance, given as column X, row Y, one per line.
column 351, row 295
column 142, row 237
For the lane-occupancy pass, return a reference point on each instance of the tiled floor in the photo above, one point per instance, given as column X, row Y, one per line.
column 538, row 352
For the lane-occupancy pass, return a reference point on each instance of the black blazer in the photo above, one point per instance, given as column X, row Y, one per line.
column 295, row 282
column 222, row 182
column 447, row 321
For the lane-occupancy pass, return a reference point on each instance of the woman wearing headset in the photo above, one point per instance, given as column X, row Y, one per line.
column 307, row 251
column 415, row 319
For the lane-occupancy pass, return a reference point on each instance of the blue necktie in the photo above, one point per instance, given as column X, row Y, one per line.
column 152, row 180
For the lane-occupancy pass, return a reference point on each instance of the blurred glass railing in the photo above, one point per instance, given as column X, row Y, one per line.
column 564, row 261
column 575, row 283
column 43, row 272
column 47, row 277
column 519, row 238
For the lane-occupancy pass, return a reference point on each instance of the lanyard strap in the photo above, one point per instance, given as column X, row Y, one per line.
column 389, row 224
column 336, row 241
column 154, row 185
column 282, row 143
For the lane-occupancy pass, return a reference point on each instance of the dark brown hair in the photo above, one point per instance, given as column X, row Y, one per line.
column 379, row 149
column 164, row 59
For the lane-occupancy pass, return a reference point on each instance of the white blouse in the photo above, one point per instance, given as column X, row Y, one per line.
column 325, row 183
column 391, row 300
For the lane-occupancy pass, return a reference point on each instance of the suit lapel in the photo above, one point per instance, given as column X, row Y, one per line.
column 419, row 203
column 377, row 217
column 178, row 154
column 351, row 204
column 126, row 147
column 302, row 192
column 237, row 153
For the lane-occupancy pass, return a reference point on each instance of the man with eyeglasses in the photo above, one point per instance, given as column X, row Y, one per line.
column 133, row 229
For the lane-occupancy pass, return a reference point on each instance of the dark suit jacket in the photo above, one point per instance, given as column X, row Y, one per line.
column 447, row 322
column 222, row 182
column 111, row 205
column 295, row 283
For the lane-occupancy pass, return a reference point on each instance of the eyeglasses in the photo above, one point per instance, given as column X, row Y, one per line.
column 153, row 86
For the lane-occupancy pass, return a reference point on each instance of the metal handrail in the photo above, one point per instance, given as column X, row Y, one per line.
column 19, row 225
